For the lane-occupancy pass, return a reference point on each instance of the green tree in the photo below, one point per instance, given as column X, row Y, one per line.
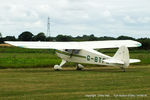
column 106, row 38
column 50, row 39
column 85, row 37
column 63, row 38
column 10, row 38
column 39, row 37
column 92, row 38
column 125, row 38
column 145, row 43
column 1, row 38
column 25, row 36
column 0, row 35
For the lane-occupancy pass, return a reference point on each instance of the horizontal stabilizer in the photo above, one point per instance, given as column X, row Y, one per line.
column 113, row 61
column 134, row 60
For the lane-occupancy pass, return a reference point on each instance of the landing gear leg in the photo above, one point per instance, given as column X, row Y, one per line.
column 79, row 67
column 124, row 70
column 59, row 67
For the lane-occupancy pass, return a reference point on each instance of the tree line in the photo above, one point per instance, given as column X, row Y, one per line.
column 28, row 36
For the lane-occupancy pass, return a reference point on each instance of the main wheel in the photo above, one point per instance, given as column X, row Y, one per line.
column 57, row 68
column 79, row 67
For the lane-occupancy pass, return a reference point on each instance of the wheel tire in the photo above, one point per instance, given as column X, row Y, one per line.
column 78, row 68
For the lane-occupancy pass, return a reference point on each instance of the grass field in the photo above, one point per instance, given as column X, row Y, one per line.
column 12, row 57
column 46, row 84
column 29, row 75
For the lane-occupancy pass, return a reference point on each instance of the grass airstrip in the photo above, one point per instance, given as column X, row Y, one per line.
column 28, row 74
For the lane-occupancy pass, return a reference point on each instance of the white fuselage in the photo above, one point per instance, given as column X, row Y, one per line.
column 84, row 56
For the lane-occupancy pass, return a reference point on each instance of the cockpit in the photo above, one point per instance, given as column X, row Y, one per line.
column 72, row 51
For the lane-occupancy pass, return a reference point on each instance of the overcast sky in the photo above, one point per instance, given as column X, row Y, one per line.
column 76, row 17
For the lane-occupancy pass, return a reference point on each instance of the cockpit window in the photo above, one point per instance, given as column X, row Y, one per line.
column 72, row 51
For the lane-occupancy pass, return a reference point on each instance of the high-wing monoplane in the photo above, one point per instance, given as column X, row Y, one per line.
column 86, row 52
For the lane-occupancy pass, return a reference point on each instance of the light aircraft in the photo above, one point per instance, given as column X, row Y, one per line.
column 85, row 52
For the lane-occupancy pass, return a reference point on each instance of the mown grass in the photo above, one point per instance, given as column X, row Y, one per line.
column 15, row 60
column 46, row 84
column 12, row 57
column 23, row 82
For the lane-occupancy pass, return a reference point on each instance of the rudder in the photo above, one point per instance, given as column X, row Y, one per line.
column 122, row 54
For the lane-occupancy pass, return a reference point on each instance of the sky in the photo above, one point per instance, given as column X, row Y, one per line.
column 76, row 17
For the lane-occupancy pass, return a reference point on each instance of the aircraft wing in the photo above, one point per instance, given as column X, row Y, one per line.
column 76, row 45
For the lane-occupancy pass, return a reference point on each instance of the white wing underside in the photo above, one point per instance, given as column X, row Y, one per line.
column 76, row 45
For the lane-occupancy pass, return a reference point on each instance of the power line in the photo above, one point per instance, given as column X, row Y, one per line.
column 48, row 27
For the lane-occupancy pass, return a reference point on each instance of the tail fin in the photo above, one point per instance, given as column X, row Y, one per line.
column 123, row 55
column 122, row 58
